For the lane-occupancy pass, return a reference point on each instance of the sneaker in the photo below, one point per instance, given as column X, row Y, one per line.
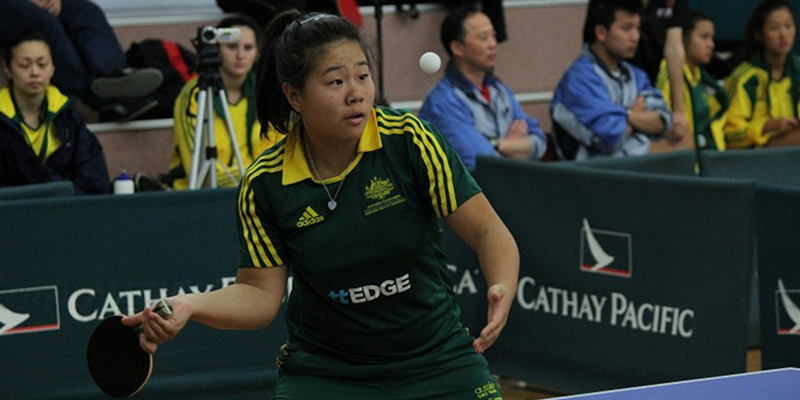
column 128, row 82
column 127, row 111
column 148, row 183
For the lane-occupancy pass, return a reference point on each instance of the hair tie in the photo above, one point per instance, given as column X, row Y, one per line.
column 316, row 18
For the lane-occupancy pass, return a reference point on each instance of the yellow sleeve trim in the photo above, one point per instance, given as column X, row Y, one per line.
column 262, row 251
column 441, row 187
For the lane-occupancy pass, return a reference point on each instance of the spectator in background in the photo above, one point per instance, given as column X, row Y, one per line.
column 764, row 88
column 603, row 105
column 705, row 99
column 662, row 38
column 492, row 8
column 43, row 137
column 89, row 61
column 474, row 110
column 238, row 80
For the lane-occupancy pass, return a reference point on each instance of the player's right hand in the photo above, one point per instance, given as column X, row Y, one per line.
column 157, row 329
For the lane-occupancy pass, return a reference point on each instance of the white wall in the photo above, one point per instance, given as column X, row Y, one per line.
column 144, row 8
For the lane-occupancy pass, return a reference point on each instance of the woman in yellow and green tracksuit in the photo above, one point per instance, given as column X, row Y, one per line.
column 706, row 99
column 238, row 79
column 43, row 137
column 764, row 88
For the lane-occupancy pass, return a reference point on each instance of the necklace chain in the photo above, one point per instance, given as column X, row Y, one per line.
column 332, row 199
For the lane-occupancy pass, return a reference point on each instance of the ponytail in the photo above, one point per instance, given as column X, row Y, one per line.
column 271, row 105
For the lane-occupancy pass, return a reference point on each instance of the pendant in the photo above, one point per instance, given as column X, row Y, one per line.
column 332, row 205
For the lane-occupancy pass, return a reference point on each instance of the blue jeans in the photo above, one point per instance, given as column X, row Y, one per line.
column 83, row 44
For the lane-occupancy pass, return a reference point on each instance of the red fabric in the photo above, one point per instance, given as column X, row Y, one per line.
column 485, row 93
column 348, row 9
column 175, row 58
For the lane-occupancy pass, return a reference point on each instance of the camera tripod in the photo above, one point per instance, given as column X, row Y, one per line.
column 208, row 79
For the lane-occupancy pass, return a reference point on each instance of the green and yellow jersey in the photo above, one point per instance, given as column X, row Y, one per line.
column 706, row 99
column 245, row 125
column 757, row 98
column 370, row 280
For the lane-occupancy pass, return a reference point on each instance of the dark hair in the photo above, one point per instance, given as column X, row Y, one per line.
column 602, row 12
column 694, row 18
column 753, row 35
column 453, row 26
column 691, row 23
column 242, row 20
column 291, row 48
column 27, row 36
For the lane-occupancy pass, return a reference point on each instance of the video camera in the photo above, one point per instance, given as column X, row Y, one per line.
column 211, row 35
column 205, row 43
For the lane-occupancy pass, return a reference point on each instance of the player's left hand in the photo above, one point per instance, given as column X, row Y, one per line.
column 499, row 306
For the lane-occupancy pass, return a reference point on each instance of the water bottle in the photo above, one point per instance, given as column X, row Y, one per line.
column 123, row 184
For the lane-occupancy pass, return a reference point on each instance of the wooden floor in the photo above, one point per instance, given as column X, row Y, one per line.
column 518, row 390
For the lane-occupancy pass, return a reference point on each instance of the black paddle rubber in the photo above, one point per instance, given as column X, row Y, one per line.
column 117, row 363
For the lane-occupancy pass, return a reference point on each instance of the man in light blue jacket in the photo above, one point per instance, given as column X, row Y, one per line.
column 476, row 112
column 604, row 106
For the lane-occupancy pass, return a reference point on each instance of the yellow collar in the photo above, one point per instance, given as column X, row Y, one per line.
column 295, row 166
column 55, row 101
column 692, row 74
column 6, row 105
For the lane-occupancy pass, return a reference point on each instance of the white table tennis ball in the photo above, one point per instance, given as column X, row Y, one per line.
column 430, row 62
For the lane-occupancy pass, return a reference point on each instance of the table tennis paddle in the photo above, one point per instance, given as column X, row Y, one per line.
column 348, row 9
column 118, row 364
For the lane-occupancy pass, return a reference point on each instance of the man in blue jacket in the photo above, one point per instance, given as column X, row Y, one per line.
column 474, row 110
column 603, row 105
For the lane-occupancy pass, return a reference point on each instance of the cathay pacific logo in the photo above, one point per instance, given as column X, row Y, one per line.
column 608, row 252
column 10, row 319
column 787, row 311
column 29, row 310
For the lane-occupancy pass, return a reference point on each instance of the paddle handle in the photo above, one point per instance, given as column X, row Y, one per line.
column 160, row 307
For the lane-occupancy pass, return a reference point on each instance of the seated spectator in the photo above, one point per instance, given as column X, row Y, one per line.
column 764, row 88
column 43, row 137
column 238, row 81
column 662, row 38
column 474, row 110
column 702, row 95
column 89, row 61
column 604, row 106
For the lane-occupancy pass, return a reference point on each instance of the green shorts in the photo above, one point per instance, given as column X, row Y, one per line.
column 451, row 372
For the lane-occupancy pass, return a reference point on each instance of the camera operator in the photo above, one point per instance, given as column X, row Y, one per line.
column 234, row 65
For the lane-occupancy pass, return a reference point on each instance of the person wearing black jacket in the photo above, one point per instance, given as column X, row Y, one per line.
column 43, row 137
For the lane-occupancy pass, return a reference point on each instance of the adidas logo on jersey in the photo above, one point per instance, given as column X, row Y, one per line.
column 309, row 217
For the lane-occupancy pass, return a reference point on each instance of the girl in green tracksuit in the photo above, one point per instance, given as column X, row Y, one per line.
column 702, row 95
column 350, row 202
column 764, row 89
